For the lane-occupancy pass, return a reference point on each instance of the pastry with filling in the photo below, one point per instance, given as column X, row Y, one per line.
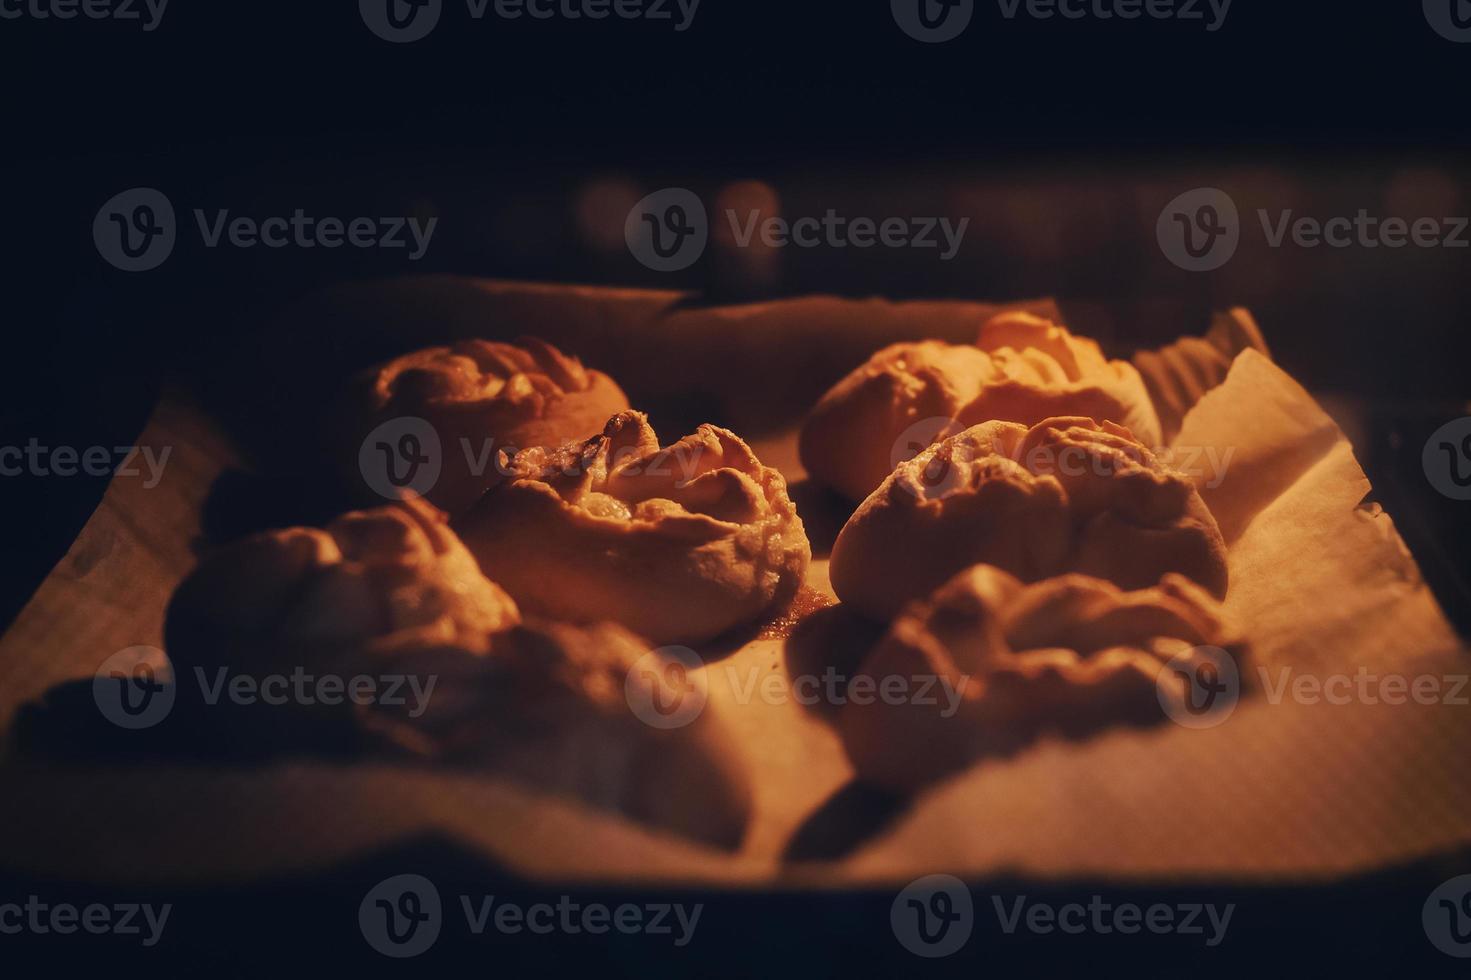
column 1067, row 657
column 679, row 544
column 1066, row 495
column 490, row 397
column 1022, row 368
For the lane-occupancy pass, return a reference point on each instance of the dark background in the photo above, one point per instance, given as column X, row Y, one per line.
column 1062, row 141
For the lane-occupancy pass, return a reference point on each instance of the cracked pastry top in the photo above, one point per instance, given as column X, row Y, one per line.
column 1022, row 368
column 353, row 595
column 1066, row 495
column 1068, row 656
column 482, row 397
column 679, row 544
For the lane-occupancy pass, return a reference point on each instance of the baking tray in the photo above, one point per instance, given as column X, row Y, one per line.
column 1283, row 794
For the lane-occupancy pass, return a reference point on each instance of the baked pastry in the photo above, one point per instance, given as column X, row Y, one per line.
column 1068, row 656
column 370, row 584
column 678, row 544
column 481, row 397
column 557, row 707
column 1179, row 375
column 392, row 593
column 1066, row 495
column 1022, row 368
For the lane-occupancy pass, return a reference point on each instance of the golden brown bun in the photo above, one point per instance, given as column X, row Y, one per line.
column 491, row 396
column 373, row 583
column 1068, row 656
column 392, row 593
column 1022, row 368
column 1178, row 376
column 677, row 544
column 551, row 707
column 1066, row 495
